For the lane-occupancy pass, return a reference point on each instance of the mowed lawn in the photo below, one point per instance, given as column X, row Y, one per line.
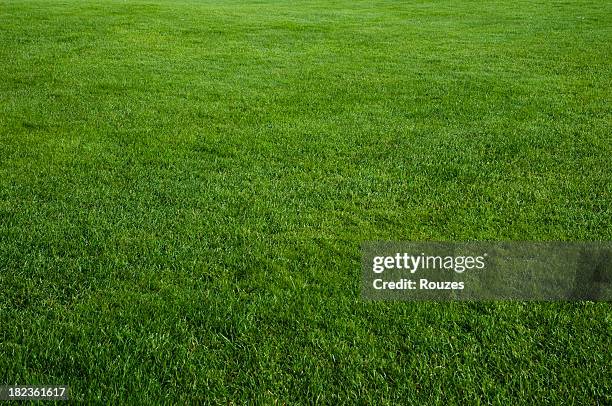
column 185, row 185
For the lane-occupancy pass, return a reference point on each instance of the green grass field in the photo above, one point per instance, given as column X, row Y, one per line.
column 185, row 185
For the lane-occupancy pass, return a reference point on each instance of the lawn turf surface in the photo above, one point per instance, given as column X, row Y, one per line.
column 184, row 187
